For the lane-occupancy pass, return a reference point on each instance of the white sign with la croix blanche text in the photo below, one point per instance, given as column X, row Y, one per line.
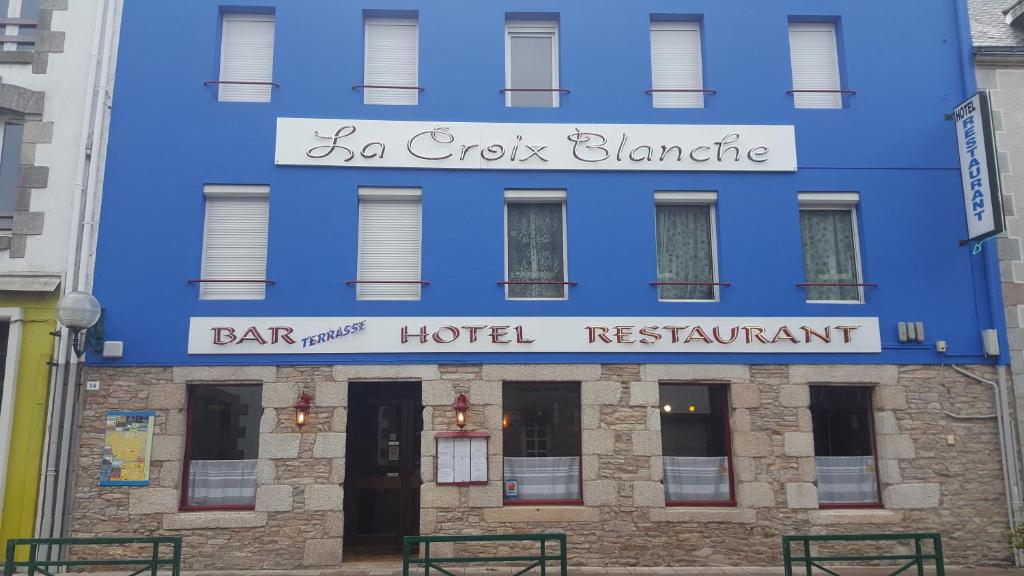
column 395, row 335
column 526, row 146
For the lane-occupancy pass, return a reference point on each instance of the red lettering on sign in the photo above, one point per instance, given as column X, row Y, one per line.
column 520, row 339
column 624, row 335
column 281, row 334
column 784, row 333
column 473, row 332
column 499, row 332
column 847, row 333
column 675, row 332
column 224, row 335
column 755, row 332
column 453, row 335
column 593, row 335
column 422, row 335
column 650, row 336
column 808, row 332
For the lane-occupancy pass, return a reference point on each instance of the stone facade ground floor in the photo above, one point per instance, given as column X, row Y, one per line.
column 936, row 472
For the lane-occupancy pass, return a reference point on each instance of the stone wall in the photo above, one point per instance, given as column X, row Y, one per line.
column 927, row 483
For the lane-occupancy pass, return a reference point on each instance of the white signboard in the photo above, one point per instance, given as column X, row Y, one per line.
column 435, row 335
column 976, row 144
column 479, row 146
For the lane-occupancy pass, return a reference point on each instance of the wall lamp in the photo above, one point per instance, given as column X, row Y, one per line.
column 461, row 408
column 78, row 312
column 302, row 409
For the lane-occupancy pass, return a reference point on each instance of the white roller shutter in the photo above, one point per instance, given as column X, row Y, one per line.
column 390, row 233
column 235, row 242
column 391, row 59
column 815, row 64
column 676, row 64
column 246, row 55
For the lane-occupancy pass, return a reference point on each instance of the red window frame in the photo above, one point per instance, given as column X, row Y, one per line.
column 579, row 424
column 727, row 411
column 874, row 453
column 183, row 504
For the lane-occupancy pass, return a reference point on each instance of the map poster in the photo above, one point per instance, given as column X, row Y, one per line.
column 126, row 448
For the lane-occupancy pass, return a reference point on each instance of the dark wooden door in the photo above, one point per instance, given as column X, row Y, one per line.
column 382, row 487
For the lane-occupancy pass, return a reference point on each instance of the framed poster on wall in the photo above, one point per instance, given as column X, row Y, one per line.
column 127, row 446
column 462, row 457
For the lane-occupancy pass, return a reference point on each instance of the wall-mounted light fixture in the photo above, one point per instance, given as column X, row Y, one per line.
column 302, row 409
column 78, row 312
column 461, row 408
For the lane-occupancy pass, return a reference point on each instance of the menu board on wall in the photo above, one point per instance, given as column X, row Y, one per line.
column 461, row 459
column 127, row 445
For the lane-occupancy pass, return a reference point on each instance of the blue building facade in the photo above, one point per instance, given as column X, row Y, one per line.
column 748, row 212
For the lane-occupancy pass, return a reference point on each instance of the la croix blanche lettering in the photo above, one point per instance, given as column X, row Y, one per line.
column 441, row 144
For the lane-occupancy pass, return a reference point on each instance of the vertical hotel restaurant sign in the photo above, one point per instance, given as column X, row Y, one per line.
column 976, row 143
column 535, row 146
column 127, row 445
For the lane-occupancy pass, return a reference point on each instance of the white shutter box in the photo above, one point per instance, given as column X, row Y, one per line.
column 676, row 64
column 246, row 55
column 391, row 59
column 235, row 242
column 390, row 236
column 815, row 61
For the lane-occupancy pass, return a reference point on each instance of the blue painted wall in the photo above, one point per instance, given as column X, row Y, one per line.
column 169, row 136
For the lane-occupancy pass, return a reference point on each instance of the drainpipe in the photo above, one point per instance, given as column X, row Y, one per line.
column 1008, row 451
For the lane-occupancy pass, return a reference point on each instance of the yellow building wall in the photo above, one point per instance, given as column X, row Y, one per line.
column 28, row 432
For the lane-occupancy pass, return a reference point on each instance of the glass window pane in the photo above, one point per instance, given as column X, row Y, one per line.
column 695, row 443
column 830, row 254
column 685, row 251
column 843, row 445
column 541, row 441
column 224, row 427
column 10, row 166
column 531, row 66
column 29, row 8
column 535, row 251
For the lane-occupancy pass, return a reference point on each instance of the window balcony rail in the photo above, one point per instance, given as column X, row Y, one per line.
column 559, row 90
column 535, row 283
column 241, row 82
column 837, row 285
column 229, row 281
column 358, row 282
column 383, row 87
column 725, row 284
column 650, row 91
column 821, row 91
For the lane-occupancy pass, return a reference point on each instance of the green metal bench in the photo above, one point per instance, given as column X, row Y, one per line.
column 536, row 560
column 811, row 561
column 41, row 567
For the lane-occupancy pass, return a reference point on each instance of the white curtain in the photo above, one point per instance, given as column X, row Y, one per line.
column 829, row 253
column 550, row 478
column 221, row 482
column 694, row 479
column 847, row 480
column 535, row 250
column 684, row 251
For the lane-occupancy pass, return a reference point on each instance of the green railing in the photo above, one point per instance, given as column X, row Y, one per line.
column 539, row 560
column 810, row 561
column 41, row 567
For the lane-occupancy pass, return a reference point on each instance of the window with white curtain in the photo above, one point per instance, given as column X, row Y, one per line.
column 685, row 230
column 828, row 230
column 844, row 445
column 391, row 59
column 815, row 59
column 390, row 238
column 531, row 64
column 246, row 57
column 541, row 441
column 695, row 443
column 11, row 136
column 676, row 64
column 535, row 244
column 235, row 242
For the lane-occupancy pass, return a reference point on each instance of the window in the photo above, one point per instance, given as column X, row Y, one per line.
column 685, row 229
column 5, row 331
column 391, row 59
column 222, row 446
column 676, row 65
column 844, row 445
column 541, row 441
column 235, row 242
column 828, row 229
column 246, row 57
column 535, row 244
column 695, row 444
column 390, row 235
column 531, row 64
column 25, row 13
column 10, row 172
column 815, row 61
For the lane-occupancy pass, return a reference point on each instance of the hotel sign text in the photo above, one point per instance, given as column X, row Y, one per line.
column 395, row 335
column 490, row 146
